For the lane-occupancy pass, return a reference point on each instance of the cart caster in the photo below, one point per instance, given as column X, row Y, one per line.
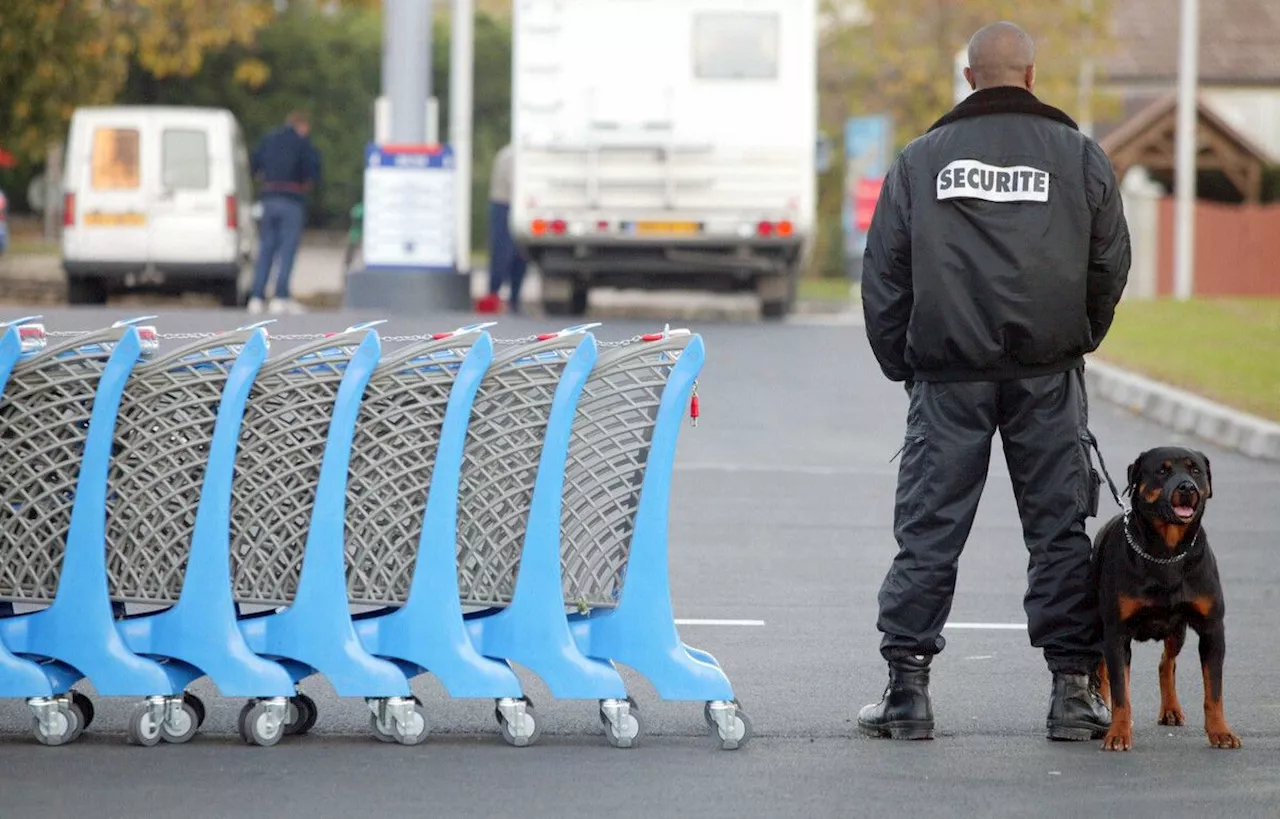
column 262, row 721
column 302, row 715
column 85, row 705
column 197, row 705
column 518, row 721
column 55, row 720
column 181, row 721
column 146, row 724
column 622, row 724
column 729, row 724
column 706, row 711
column 399, row 719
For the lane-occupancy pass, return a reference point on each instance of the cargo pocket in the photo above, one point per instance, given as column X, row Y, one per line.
column 913, row 471
column 1091, row 497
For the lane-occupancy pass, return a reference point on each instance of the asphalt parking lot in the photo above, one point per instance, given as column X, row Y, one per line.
column 781, row 518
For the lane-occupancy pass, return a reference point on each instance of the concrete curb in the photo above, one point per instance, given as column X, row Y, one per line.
column 1184, row 412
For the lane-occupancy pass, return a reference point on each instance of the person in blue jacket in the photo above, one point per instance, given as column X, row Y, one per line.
column 287, row 166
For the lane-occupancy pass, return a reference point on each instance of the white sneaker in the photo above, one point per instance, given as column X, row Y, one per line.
column 286, row 306
column 255, row 306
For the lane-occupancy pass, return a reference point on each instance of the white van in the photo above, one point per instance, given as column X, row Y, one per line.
column 157, row 198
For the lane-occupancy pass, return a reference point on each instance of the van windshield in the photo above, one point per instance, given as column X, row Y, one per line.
column 116, row 160
column 185, row 159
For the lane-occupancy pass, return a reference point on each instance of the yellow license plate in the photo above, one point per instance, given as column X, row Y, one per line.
column 115, row 219
column 668, row 228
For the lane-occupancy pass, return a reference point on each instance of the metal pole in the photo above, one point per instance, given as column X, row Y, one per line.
column 1185, row 177
column 461, row 79
column 1085, row 99
column 407, row 67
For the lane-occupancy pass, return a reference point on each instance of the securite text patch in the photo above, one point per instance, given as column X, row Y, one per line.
column 971, row 179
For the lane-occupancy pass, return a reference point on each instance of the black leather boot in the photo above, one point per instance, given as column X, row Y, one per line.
column 905, row 711
column 1076, row 712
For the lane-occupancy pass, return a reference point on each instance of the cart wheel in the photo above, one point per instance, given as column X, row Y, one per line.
column 182, row 728
column 739, row 735
column 85, row 705
column 196, row 704
column 529, row 733
column 627, row 733
column 706, row 712
column 64, row 727
column 143, row 728
column 416, row 731
column 302, row 715
column 378, row 731
column 256, row 725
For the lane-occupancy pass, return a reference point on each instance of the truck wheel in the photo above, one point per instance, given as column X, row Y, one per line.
column 562, row 296
column 578, row 304
column 86, row 290
column 777, row 295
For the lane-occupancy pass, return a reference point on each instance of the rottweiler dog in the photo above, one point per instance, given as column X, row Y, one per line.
column 1155, row 575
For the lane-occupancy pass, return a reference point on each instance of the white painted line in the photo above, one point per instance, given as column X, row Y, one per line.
column 719, row 622
column 989, row 626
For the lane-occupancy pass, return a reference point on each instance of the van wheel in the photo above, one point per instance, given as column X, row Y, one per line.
column 84, row 290
column 229, row 294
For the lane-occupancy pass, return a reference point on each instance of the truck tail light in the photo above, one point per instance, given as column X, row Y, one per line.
column 68, row 209
column 541, row 227
column 783, row 229
column 233, row 212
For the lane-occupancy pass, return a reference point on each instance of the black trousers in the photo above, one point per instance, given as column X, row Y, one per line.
column 1043, row 424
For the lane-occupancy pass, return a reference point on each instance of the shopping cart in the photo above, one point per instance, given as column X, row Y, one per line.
column 167, row 532
column 57, row 417
column 614, row 523
column 509, row 523
column 402, row 521
column 58, row 713
column 288, row 521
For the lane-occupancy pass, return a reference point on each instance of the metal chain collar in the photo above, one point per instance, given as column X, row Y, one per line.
column 1163, row 561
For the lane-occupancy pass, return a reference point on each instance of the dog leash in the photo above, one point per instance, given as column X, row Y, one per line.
column 1093, row 442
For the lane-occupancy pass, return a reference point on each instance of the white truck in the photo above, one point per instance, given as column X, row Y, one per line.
column 665, row 144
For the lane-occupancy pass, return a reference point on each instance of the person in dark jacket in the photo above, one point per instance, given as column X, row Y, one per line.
column 288, row 166
column 995, row 259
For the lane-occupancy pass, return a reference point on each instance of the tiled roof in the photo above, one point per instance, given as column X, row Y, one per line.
column 1239, row 41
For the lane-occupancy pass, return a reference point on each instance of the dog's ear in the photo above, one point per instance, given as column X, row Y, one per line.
column 1208, row 475
column 1135, row 469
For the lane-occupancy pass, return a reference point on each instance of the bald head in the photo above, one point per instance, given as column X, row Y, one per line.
column 1001, row 54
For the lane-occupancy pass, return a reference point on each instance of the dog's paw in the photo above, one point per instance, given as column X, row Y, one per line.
column 1117, row 739
column 1223, row 738
column 1172, row 715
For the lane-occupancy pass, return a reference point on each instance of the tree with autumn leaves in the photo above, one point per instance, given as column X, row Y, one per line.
column 897, row 57
column 56, row 55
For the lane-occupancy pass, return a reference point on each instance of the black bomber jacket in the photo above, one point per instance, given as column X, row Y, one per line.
column 998, row 248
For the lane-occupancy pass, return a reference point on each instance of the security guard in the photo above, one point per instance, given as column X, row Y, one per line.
column 995, row 260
